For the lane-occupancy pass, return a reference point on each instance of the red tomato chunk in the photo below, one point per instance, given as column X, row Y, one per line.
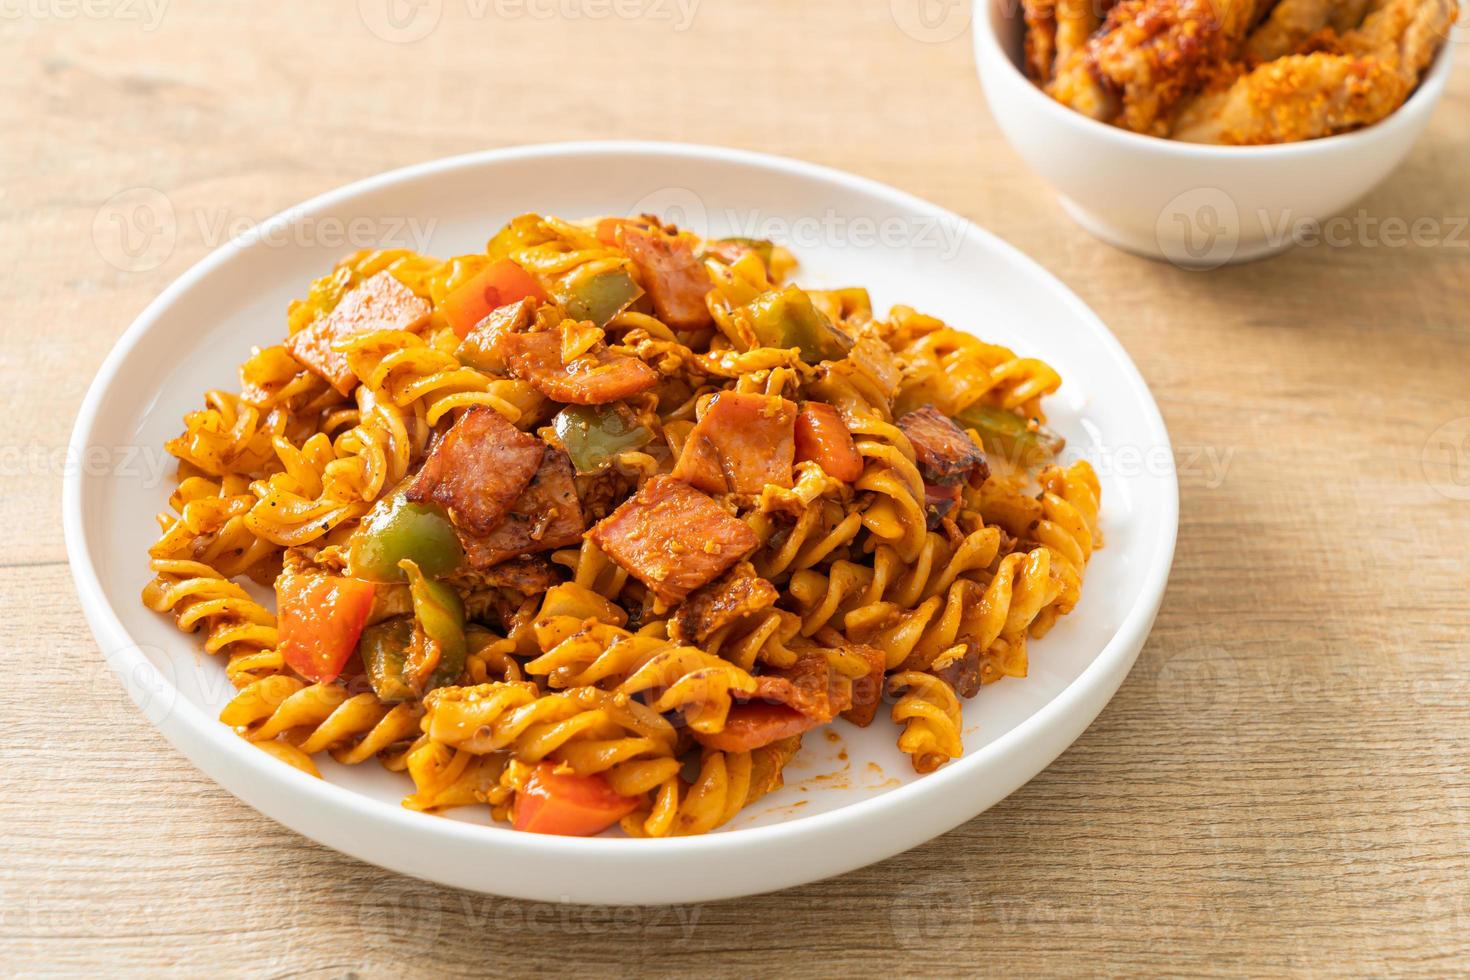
column 497, row 285
column 562, row 802
column 320, row 618
column 822, row 438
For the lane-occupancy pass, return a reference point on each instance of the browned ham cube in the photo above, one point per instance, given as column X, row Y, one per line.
column 546, row 515
column 742, row 443
column 378, row 303
column 720, row 604
column 478, row 469
column 673, row 538
column 944, row 452
column 676, row 280
column 594, row 378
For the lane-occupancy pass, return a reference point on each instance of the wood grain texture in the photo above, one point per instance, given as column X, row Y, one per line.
column 1280, row 787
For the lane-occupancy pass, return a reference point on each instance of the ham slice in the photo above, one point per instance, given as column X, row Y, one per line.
column 809, row 686
column 595, row 378
column 944, row 452
column 546, row 515
column 378, row 303
column 481, row 346
column 672, row 274
column 721, row 603
column 755, row 725
column 529, row 575
column 673, row 538
column 785, row 703
column 478, row 469
column 962, row 672
column 743, row 443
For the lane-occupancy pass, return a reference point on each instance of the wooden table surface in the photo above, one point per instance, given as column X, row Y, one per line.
column 1280, row 786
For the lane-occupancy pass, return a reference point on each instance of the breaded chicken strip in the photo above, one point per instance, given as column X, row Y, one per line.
column 1298, row 97
column 1303, row 97
column 1347, row 15
column 1041, row 39
column 1290, row 23
column 1407, row 33
column 1075, row 83
column 1153, row 53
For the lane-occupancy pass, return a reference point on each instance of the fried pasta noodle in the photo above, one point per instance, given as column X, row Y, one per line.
column 592, row 527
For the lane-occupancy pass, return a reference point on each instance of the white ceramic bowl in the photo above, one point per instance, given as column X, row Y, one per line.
column 1194, row 205
column 833, row 815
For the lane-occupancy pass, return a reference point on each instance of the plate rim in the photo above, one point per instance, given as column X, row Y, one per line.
column 185, row 719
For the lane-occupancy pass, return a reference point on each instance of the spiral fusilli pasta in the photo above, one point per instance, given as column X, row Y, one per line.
column 589, row 528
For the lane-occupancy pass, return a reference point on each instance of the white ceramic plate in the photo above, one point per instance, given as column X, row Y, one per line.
column 846, row 803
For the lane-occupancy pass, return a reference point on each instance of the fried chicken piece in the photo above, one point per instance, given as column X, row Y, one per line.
column 1303, row 97
column 1404, row 33
column 1075, row 84
column 1347, row 15
column 1041, row 39
column 1154, row 53
column 1287, row 28
column 1298, row 97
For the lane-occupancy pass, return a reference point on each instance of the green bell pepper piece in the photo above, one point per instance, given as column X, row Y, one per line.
column 383, row 649
column 1008, row 434
column 593, row 434
column 397, row 529
column 598, row 297
column 439, row 622
column 787, row 318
